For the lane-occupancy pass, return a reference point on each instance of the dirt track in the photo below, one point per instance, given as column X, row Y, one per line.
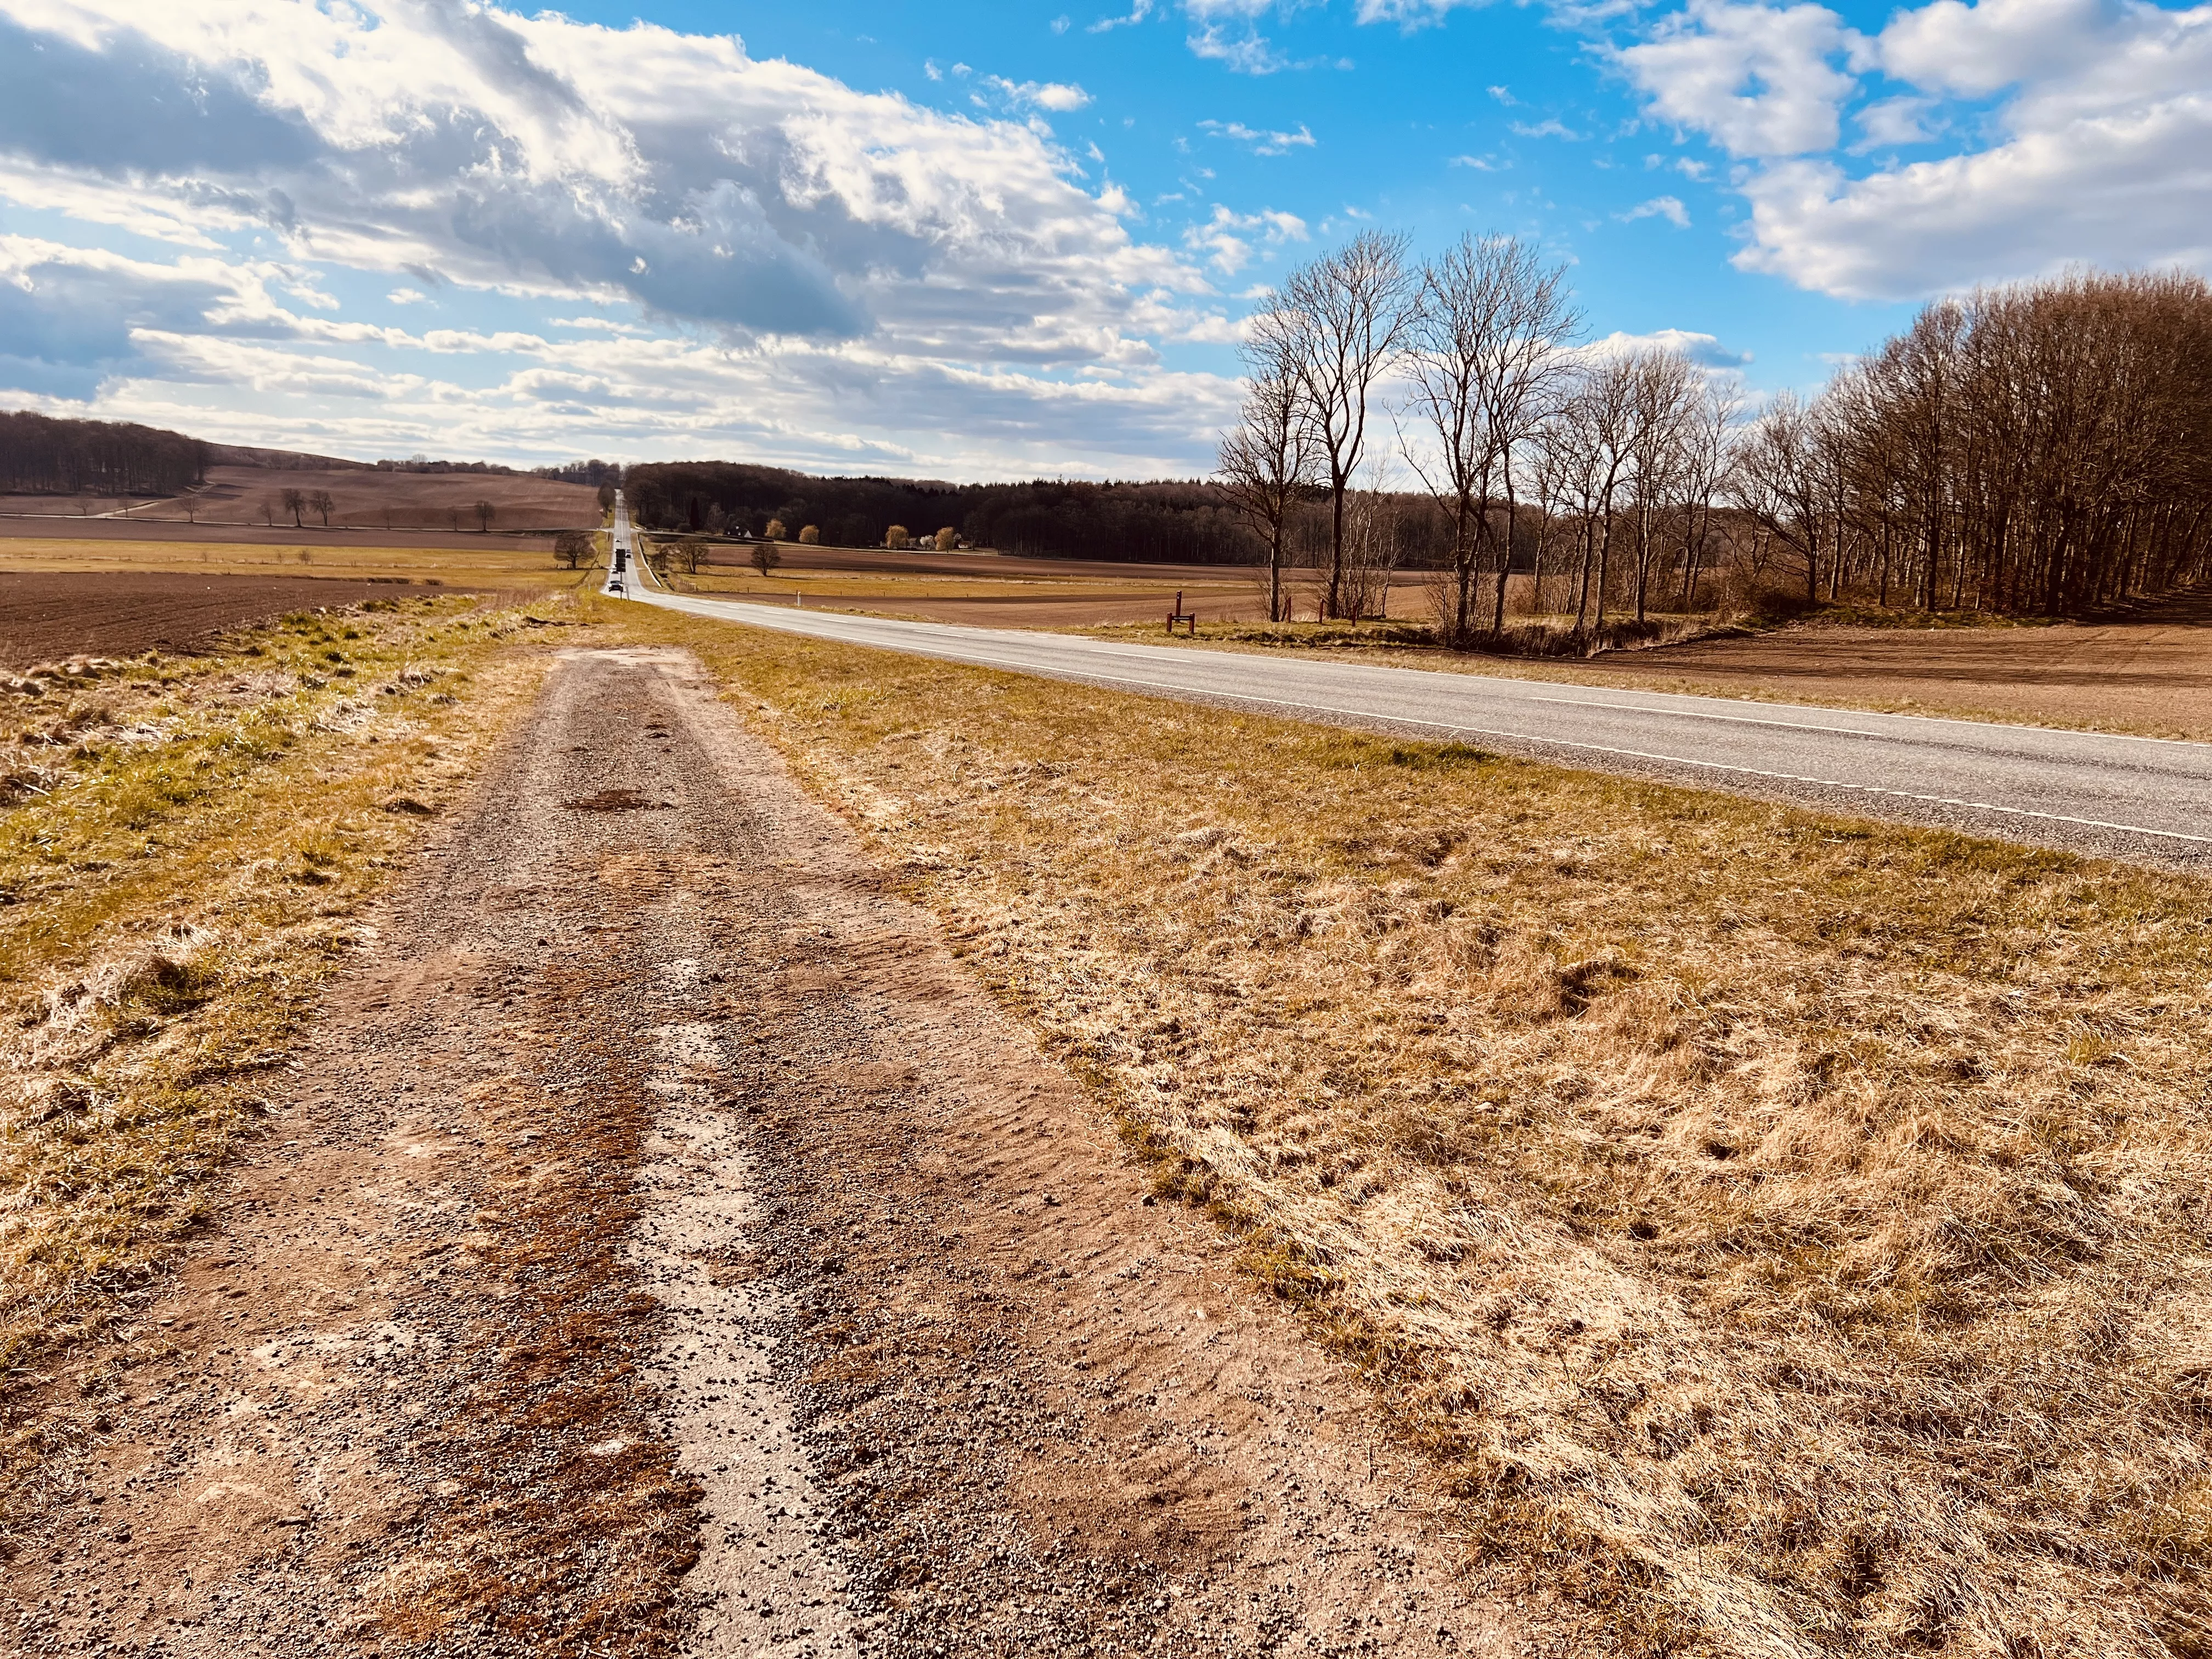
column 45, row 614
column 664, row 1247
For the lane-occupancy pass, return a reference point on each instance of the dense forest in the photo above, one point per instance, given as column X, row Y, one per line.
column 2041, row 447
column 42, row 455
column 1177, row 523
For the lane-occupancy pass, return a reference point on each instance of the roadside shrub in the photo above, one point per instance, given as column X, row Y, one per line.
column 809, row 537
column 897, row 536
column 947, row 539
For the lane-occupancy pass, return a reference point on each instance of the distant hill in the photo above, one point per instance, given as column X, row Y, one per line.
column 283, row 460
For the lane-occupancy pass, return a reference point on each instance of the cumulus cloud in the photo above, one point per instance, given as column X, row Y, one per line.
column 71, row 317
column 2094, row 149
column 1757, row 80
column 1226, row 239
column 793, row 245
column 1706, row 350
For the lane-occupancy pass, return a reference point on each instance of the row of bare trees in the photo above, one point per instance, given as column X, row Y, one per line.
column 1506, row 413
column 2045, row 446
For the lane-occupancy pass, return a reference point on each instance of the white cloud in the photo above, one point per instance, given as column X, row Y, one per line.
column 407, row 296
column 1136, row 14
column 816, row 270
column 1668, row 207
column 1704, row 349
column 1480, row 163
column 1895, row 121
column 1550, row 127
column 1411, row 14
column 1246, row 52
column 2094, row 150
column 1054, row 96
column 1757, row 80
column 1225, row 239
column 1262, row 142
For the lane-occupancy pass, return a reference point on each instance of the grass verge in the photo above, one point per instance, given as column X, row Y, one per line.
column 186, row 846
column 1788, row 1231
column 1528, row 639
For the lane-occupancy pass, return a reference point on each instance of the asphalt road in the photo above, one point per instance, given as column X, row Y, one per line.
column 2143, row 800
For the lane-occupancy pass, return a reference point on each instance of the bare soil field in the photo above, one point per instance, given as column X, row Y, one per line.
column 361, row 499
column 47, row 615
column 2150, row 673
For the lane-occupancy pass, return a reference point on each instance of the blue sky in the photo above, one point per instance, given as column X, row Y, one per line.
column 993, row 241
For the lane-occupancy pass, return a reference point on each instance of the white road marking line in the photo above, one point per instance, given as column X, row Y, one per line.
column 1018, row 666
column 1702, row 714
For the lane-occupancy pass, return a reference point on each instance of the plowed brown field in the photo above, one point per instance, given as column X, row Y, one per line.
column 45, row 615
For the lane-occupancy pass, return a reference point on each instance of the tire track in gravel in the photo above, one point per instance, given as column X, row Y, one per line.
column 664, row 1247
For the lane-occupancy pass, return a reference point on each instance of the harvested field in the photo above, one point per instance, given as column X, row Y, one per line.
column 361, row 498
column 988, row 591
column 47, row 615
column 1788, row 1231
column 519, row 562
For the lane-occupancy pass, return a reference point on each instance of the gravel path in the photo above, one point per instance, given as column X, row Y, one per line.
column 2139, row 798
column 663, row 1247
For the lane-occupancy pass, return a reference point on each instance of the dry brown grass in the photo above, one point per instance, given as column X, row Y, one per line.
column 1790, row 1230
column 185, row 849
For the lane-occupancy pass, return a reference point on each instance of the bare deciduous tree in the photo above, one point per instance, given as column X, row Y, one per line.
column 1663, row 399
column 766, row 558
column 296, row 503
column 1782, row 470
column 485, row 512
column 1485, row 348
column 1268, row 464
column 571, row 548
column 1339, row 324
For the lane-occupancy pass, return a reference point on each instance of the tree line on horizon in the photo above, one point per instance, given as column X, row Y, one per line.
column 2042, row 446
column 1167, row 522
column 52, row 455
